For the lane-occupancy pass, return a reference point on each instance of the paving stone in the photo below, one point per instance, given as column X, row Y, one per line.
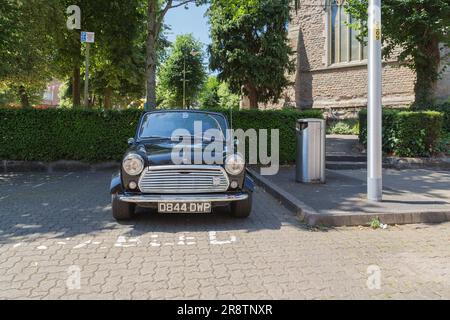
column 273, row 257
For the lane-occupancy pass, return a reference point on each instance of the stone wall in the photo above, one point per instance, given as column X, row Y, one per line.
column 442, row 88
column 344, row 85
column 340, row 89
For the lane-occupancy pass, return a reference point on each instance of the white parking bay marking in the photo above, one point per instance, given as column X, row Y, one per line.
column 124, row 242
column 213, row 239
column 156, row 241
column 83, row 244
column 190, row 243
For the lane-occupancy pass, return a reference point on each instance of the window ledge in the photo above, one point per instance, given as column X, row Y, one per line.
column 342, row 65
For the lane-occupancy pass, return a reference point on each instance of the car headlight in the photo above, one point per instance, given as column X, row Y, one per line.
column 133, row 164
column 234, row 164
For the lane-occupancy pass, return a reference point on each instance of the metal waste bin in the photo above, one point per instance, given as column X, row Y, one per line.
column 310, row 151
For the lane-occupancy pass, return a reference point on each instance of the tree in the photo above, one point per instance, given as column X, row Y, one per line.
column 68, row 56
column 184, row 63
column 416, row 27
column 26, row 46
column 117, row 56
column 209, row 96
column 36, row 46
column 8, row 24
column 156, row 12
column 217, row 95
column 249, row 47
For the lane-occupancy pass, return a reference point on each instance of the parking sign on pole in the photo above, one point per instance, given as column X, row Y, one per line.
column 88, row 38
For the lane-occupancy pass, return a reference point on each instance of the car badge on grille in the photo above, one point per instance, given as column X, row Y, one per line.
column 216, row 181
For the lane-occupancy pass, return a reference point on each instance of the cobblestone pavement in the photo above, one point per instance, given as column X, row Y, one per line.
column 55, row 227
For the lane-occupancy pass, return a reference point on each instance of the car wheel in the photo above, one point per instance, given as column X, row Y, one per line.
column 242, row 209
column 121, row 210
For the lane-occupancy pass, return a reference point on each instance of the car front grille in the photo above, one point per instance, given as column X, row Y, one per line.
column 184, row 179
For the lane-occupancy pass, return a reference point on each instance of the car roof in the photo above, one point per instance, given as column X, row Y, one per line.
column 184, row 110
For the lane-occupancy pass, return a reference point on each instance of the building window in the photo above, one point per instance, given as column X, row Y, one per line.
column 343, row 43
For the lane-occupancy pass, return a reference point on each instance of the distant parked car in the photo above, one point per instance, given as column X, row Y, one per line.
column 150, row 178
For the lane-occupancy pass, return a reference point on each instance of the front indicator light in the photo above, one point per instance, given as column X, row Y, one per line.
column 132, row 185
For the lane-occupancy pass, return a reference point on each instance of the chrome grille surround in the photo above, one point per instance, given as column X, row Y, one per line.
column 184, row 179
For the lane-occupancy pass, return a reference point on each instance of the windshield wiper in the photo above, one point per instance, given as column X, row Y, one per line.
column 156, row 138
column 202, row 138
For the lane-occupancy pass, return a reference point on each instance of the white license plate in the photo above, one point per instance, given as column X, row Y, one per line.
column 184, row 207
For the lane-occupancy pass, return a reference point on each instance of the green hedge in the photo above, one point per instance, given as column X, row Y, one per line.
column 62, row 134
column 407, row 133
column 95, row 136
column 445, row 109
column 284, row 120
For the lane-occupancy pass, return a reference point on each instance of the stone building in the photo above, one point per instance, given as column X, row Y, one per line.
column 332, row 64
column 51, row 94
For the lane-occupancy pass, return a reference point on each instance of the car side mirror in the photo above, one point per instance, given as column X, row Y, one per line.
column 131, row 142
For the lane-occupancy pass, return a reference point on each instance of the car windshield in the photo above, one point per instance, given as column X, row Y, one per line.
column 164, row 124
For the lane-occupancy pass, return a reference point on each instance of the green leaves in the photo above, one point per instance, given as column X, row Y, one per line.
column 186, row 53
column 415, row 27
column 96, row 135
column 216, row 95
column 283, row 120
column 36, row 46
column 249, row 46
column 407, row 133
column 65, row 134
column 26, row 46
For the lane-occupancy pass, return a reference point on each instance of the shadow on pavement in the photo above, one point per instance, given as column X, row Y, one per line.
column 64, row 205
column 345, row 191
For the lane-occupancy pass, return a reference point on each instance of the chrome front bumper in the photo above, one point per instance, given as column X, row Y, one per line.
column 183, row 198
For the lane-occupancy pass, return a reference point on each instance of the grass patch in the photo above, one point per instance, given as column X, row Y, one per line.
column 375, row 223
column 343, row 127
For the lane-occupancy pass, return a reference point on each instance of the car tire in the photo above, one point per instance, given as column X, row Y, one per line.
column 242, row 209
column 122, row 210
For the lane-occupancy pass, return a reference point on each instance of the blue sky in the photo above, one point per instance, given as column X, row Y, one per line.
column 184, row 21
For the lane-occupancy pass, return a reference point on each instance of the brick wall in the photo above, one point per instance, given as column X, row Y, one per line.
column 442, row 88
column 341, row 88
column 320, row 85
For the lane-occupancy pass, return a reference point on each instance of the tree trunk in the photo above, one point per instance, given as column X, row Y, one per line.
column 108, row 98
column 252, row 94
column 151, row 54
column 76, row 93
column 427, row 73
column 422, row 89
column 24, row 99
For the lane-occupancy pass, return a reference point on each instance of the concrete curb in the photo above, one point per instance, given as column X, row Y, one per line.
column 58, row 166
column 338, row 219
column 355, row 162
column 417, row 163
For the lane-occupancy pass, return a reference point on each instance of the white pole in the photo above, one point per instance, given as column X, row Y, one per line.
column 374, row 119
column 184, row 82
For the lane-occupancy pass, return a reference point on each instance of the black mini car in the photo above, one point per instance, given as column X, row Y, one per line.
column 172, row 172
